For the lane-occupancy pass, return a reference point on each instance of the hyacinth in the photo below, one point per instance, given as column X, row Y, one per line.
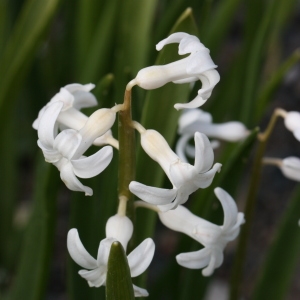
column 214, row 238
column 197, row 66
column 65, row 150
column 292, row 123
column 75, row 97
column 289, row 166
column 185, row 178
column 118, row 228
column 194, row 120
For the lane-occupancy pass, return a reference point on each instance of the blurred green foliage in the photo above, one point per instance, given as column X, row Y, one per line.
column 47, row 44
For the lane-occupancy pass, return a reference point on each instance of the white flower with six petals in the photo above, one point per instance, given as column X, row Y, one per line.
column 214, row 238
column 185, row 178
column 197, row 66
column 65, row 150
column 118, row 228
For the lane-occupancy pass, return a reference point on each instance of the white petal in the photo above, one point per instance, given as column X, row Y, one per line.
column 72, row 118
column 158, row 149
column 196, row 102
column 185, row 80
column 51, row 155
column 36, row 122
column 152, row 195
column 140, row 258
column 93, row 165
column 73, row 87
column 68, row 177
column 83, row 99
column 181, row 173
column 200, row 62
column 204, row 156
column 230, row 131
column 47, row 124
column 194, row 260
column 67, row 142
column 229, row 208
column 119, row 228
column 181, row 146
column 292, row 120
column 291, row 168
column 97, row 124
column 78, row 252
column 204, row 180
column 65, row 97
column 173, row 38
column 296, row 133
column 190, row 120
column 96, row 277
column 139, row 292
column 104, row 250
column 216, row 260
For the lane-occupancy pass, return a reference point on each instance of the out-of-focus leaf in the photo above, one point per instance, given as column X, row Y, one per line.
column 270, row 87
column 132, row 41
column 98, row 55
column 159, row 114
column 118, row 280
column 218, row 24
column 20, row 49
column 36, row 252
column 282, row 257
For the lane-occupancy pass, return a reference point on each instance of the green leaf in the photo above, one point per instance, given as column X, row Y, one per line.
column 270, row 87
column 20, row 49
column 281, row 260
column 33, row 271
column 118, row 280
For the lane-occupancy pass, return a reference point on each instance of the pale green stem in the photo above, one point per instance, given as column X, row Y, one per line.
column 238, row 267
column 143, row 204
column 126, row 157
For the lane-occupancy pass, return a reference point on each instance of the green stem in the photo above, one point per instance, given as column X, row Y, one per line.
column 126, row 158
column 237, row 272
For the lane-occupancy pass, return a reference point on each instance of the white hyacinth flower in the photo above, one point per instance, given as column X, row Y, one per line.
column 197, row 66
column 214, row 238
column 185, row 178
column 118, row 228
column 65, row 150
column 75, row 97
column 292, row 123
column 290, row 166
column 195, row 120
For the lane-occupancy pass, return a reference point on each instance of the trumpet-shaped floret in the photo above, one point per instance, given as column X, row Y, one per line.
column 65, row 150
column 214, row 238
column 197, row 66
column 185, row 178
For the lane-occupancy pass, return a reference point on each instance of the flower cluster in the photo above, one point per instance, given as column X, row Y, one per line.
column 65, row 134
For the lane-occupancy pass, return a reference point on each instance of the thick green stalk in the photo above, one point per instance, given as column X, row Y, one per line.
column 237, row 273
column 126, row 157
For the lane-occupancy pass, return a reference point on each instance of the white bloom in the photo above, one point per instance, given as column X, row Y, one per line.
column 214, row 238
column 292, row 123
column 75, row 97
column 185, row 178
column 197, row 66
column 65, row 150
column 195, row 120
column 118, row 228
column 290, row 166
